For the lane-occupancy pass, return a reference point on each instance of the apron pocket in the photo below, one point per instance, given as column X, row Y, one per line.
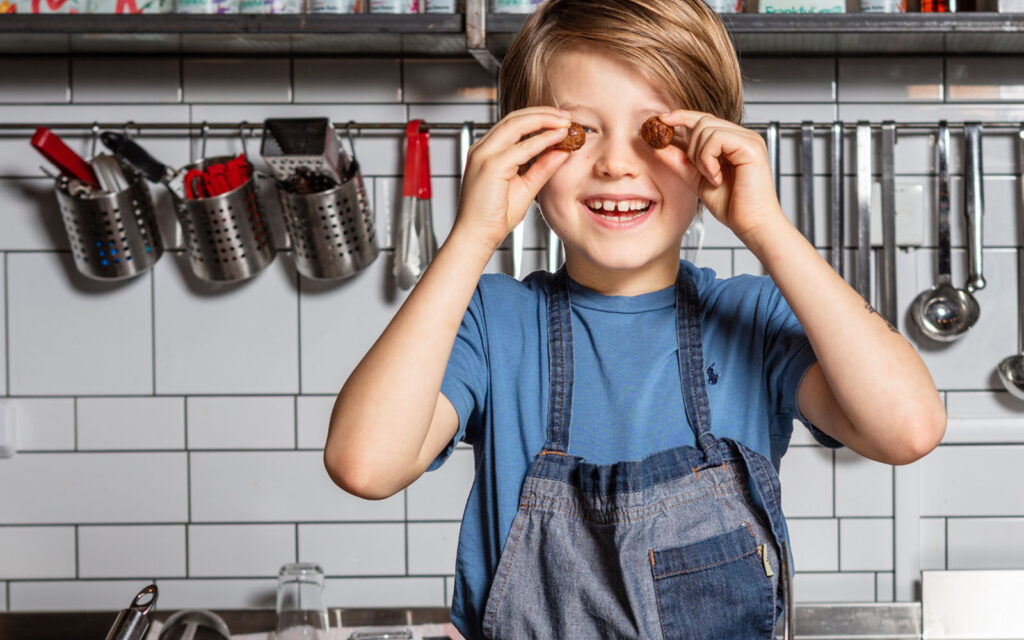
column 715, row 588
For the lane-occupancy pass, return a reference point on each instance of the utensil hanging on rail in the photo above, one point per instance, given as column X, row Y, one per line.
column 1011, row 368
column 806, row 223
column 772, row 142
column 887, row 266
column 944, row 312
column 862, row 280
column 974, row 204
column 837, row 220
column 415, row 244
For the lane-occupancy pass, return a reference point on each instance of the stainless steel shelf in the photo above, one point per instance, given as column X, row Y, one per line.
column 444, row 34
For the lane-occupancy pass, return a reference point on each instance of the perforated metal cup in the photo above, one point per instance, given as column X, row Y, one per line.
column 113, row 236
column 226, row 235
column 332, row 231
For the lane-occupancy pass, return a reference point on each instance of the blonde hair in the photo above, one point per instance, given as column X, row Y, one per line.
column 681, row 46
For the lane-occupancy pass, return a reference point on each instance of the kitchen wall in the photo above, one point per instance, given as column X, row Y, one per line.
column 171, row 430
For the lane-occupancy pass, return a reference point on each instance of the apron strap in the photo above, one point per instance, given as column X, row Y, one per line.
column 691, row 361
column 560, row 363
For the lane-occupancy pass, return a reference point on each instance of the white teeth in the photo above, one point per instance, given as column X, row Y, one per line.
column 620, row 205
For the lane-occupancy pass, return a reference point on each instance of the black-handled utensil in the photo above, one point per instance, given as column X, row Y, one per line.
column 129, row 151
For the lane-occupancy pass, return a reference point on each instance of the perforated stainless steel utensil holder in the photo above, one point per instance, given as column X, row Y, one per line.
column 113, row 236
column 332, row 231
column 226, row 236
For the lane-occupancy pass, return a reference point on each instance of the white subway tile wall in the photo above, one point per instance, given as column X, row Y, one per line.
column 171, row 429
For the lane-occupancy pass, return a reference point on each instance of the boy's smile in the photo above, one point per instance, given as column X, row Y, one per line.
column 619, row 208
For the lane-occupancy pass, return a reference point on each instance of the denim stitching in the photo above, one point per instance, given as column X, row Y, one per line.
column 707, row 566
column 505, row 579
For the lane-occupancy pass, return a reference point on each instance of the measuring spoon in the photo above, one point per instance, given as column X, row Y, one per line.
column 944, row 312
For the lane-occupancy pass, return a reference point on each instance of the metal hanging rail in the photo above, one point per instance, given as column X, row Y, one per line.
column 356, row 128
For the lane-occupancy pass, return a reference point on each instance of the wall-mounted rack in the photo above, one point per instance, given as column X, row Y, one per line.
column 14, row 129
column 485, row 36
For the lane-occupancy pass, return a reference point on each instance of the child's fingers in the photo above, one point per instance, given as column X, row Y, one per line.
column 705, row 149
column 513, row 127
column 541, row 171
column 525, row 150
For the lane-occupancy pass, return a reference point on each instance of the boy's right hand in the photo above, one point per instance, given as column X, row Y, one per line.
column 496, row 192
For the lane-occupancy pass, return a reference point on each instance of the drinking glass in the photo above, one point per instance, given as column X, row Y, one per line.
column 301, row 614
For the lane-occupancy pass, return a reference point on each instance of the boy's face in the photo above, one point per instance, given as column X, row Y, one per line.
column 615, row 167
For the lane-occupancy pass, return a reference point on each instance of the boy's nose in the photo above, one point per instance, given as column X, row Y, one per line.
column 618, row 157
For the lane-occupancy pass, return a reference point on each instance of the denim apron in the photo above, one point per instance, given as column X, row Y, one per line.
column 684, row 543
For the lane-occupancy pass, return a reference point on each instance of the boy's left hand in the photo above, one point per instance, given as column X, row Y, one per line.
column 726, row 165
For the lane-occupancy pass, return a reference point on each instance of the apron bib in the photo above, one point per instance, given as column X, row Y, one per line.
column 684, row 543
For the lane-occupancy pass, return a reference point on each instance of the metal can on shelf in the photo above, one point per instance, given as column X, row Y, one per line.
column 130, row 6
column 515, row 6
column 726, row 6
column 883, row 6
column 335, row 6
column 270, row 6
column 207, row 6
column 41, row 6
column 394, row 6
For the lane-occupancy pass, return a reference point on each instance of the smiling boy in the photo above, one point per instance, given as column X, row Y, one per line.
column 628, row 414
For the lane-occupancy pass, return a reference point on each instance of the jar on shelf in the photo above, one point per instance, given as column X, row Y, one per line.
column 883, row 6
column 335, row 6
column 515, row 6
column 130, row 6
column 207, row 6
column 271, row 6
column 727, row 6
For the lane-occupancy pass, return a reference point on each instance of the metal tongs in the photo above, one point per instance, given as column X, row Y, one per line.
column 415, row 244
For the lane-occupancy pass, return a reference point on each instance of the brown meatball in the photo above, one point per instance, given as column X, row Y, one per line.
column 656, row 133
column 574, row 139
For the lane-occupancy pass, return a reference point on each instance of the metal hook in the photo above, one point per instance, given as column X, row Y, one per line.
column 95, row 136
column 128, row 125
column 351, row 142
column 202, row 149
column 241, row 134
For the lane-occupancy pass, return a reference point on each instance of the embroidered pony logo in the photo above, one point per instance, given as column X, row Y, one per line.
column 712, row 376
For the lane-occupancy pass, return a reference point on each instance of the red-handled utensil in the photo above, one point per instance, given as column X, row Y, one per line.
column 408, row 263
column 424, row 214
column 70, row 163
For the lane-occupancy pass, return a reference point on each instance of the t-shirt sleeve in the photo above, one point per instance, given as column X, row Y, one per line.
column 466, row 377
column 788, row 356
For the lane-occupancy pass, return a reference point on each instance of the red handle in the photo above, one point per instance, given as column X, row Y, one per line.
column 413, row 159
column 69, row 162
column 423, row 191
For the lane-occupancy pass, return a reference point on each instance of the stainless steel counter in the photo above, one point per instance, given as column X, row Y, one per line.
column 841, row 621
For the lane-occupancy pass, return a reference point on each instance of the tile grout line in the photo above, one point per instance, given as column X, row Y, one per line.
column 188, row 492
column 7, row 328
column 152, row 326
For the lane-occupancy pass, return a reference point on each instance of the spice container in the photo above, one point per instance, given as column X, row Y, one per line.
column 726, row 6
column 207, row 6
column 130, row 6
column 335, row 6
column 271, row 6
column 44, row 6
column 515, row 6
column 883, row 6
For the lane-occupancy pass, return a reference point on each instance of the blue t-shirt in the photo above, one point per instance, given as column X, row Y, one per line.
column 627, row 402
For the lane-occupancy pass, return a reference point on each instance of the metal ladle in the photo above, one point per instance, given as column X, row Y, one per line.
column 1011, row 369
column 944, row 312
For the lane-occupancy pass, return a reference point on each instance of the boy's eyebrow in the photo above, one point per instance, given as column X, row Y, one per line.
column 642, row 111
